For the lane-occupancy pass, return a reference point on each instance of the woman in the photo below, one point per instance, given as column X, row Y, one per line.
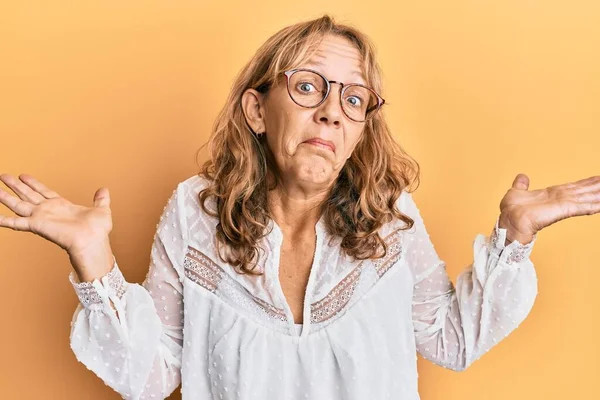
column 296, row 264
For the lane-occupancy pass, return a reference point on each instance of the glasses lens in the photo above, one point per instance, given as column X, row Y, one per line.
column 307, row 88
column 359, row 102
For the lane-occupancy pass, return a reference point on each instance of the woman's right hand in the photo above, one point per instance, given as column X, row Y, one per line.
column 45, row 213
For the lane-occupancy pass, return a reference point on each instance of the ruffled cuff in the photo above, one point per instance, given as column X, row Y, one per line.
column 515, row 252
column 91, row 294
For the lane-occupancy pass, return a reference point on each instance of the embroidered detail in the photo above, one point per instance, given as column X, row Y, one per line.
column 516, row 252
column 270, row 309
column 498, row 237
column 340, row 295
column 206, row 273
column 88, row 294
column 337, row 298
column 202, row 270
column 394, row 252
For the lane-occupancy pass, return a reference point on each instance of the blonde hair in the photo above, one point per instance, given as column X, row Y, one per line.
column 364, row 195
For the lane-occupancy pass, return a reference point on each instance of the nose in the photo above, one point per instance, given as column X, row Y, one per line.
column 330, row 111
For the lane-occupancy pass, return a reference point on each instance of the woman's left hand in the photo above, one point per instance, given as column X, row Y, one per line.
column 524, row 213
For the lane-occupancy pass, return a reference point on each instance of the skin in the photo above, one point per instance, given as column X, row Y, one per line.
column 306, row 172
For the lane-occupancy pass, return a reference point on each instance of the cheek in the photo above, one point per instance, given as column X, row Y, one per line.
column 353, row 142
column 289, row 129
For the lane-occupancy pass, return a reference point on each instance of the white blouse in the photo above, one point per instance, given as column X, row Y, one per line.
column 225, row 335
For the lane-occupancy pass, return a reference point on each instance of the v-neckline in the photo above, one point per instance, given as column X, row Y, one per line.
column 275, row 239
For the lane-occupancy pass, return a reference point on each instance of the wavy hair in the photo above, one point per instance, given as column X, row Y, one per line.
column 364, row 195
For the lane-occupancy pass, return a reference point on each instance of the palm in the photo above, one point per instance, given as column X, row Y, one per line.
column 68, row 224
column 532, row 210
column 46, row 214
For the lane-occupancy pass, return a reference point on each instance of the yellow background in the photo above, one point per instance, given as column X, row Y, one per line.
column 122, row 94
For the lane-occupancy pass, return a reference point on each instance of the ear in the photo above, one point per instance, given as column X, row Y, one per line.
column 253, row 108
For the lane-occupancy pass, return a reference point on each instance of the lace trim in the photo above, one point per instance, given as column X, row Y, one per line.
column 206, row 273
column 337, row 298
column 88, row 294
column 394, row 252
column 340, row 295
column 517, row 252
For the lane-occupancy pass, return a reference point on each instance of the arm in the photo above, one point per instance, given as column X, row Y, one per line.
column 131, row 335
column 454, row 326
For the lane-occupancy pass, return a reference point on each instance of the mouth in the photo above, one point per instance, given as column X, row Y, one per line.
column 326, row 144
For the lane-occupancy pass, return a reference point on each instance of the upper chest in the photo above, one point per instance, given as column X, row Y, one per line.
column 295, row 264
column 310, row 274
column 296, row 256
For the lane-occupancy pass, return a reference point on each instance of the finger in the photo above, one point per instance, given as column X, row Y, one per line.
column 588, row 208
column 589, row 179
column 102, row 198
column 23, row 191
column 15, row 223
column 587, row 185
column 521, row 182
column 19, row 207
column 588, row 203
column 38, row 186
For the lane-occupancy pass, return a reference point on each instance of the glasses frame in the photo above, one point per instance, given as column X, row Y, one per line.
column 343, row 86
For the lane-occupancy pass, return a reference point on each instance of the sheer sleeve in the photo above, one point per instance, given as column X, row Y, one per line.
column 130, row 335
column 456, row 325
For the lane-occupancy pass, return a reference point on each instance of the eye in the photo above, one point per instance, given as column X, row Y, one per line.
column 305, row 87
column 354, row 101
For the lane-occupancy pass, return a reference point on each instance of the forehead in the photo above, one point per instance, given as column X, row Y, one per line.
column 338, row 59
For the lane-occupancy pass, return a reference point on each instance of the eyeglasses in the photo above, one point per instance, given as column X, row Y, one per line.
column 309, row 89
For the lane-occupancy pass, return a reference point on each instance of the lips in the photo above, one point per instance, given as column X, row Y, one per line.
column 322, row 143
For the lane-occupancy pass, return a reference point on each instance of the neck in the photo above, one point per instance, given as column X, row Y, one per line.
column 295, row 209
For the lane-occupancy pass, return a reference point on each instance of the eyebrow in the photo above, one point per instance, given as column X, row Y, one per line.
column 354, row 72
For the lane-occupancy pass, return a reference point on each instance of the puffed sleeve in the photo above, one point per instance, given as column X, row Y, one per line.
column 130, row 335
column 454, row 326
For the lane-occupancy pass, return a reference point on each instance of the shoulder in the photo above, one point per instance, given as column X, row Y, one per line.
column 200, row 225
column 405, row 202
column 407, row 207
column 193, row 184
column 188, row 189
column 184, row 197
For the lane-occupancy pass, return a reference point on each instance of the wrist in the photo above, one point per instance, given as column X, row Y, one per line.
column 92, row 262
column 513, row 233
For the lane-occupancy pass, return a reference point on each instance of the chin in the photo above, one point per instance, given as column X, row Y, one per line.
column 318, row 173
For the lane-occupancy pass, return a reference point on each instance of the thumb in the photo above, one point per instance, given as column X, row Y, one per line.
column 521, row 182
column 102, row 198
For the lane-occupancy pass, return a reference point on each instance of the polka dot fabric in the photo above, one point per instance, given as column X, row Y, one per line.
column 194, row 321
